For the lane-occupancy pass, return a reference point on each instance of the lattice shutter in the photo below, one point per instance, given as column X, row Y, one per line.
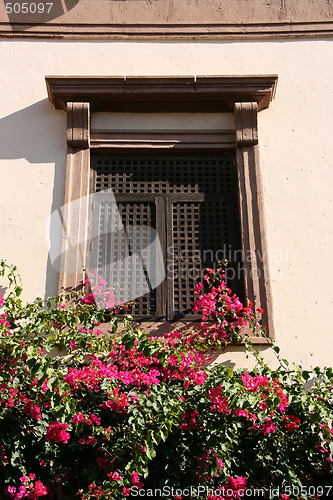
column 198, row 220
column 165, row 175
column 115, row 245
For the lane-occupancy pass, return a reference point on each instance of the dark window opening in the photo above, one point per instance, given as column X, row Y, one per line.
column 192, row 202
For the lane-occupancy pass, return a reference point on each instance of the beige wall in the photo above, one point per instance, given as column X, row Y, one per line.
column 295, row 150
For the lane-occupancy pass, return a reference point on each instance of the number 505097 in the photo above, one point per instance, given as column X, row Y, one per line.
column 28, row 8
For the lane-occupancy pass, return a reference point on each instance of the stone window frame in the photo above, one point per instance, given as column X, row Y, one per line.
column 245, row 96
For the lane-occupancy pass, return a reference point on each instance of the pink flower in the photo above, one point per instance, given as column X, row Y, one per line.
column 191, row 423
column 94, row 419
column 198, row 288
column 89, row 300
column 109, row 304
column 268, row 426
column 40, row 490
column 35, row 412
column 240, row 413
column 72, row 345
column 78, row 418
column 252, row 384
column 284, row 401
column 57, row 432
column 119, row 403
column 237, row 483
column 199, row 378
column 115, row 476
column 1, row 300
column 44, row 386
column 220, row 402
column 220, row 464
column 135, row 477
column 11, row 490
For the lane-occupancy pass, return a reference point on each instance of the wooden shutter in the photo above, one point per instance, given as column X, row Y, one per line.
column 192, row 202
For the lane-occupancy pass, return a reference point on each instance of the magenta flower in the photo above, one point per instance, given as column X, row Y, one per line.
column 253, row 383
column 57, row 432
column 268, row 426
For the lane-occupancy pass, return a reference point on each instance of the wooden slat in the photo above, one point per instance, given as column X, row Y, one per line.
column 169, row 282
column 161, row 229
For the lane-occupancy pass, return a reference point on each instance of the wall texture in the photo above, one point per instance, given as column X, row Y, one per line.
column 295, row 154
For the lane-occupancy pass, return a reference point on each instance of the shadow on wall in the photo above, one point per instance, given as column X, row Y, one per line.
column 38, row 134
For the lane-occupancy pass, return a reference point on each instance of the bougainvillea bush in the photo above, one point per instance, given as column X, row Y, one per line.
column 86, row 415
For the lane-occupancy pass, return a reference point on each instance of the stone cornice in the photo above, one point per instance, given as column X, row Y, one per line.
column 169, row 94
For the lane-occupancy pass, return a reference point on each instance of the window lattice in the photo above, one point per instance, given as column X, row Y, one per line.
column 114, row 246
column 167, row 175
column 199, row 215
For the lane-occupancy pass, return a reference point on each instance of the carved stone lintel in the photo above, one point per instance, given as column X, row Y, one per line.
column 78, row 124
column 246, row 114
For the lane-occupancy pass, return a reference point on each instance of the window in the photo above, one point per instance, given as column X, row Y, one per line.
column 245, row 96
column 192, row 203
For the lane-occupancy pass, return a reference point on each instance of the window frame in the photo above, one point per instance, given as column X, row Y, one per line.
column 245, row 96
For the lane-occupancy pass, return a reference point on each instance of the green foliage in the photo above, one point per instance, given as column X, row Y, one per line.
column 86, row 415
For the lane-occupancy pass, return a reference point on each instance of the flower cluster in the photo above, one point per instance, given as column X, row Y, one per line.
column 119, row 402
column 234, row 489
column 190, row 422
column 29, row 488
column 291, row 422
column 216, row 396
column 102, row 295
column 57, row 432
column 86, row 415
column 224, row 316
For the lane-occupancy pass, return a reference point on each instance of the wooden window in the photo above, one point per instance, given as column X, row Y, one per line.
column 192, row 203
column 245, row 96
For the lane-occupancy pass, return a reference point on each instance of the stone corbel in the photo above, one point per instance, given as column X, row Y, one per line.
column 78, row 124
column 246, row 122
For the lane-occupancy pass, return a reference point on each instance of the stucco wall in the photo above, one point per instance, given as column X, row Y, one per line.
column 295, row 154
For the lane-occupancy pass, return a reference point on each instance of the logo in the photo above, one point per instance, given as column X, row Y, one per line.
column 128, row 259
